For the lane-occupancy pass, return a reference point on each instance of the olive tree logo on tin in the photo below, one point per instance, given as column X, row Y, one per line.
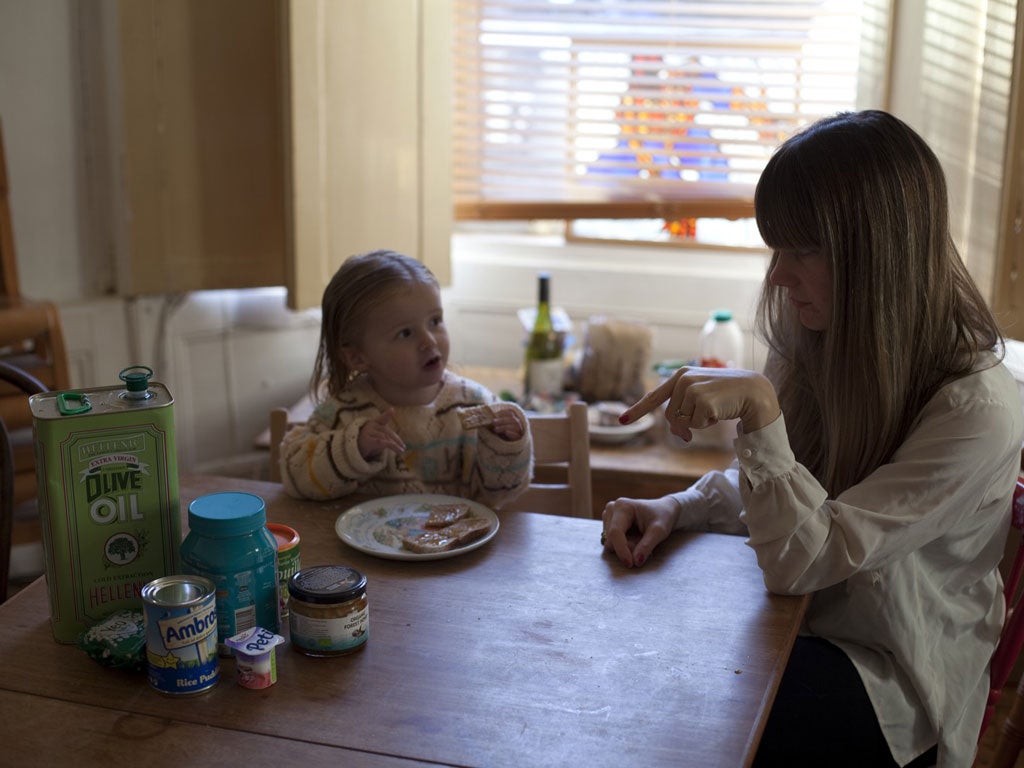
column 122, row 548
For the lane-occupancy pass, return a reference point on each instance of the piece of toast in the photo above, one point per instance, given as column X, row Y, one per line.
column 442, row 539
column 477, row 416
column 442, row 515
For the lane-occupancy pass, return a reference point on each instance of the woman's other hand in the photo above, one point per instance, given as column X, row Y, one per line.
column 377, row 435
column 701, row 397
column 654, row 519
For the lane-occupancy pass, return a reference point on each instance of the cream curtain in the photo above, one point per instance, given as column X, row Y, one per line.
column 952, row 80
column 368, row 142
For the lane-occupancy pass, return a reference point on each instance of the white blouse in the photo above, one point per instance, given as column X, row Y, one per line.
column 903, row 565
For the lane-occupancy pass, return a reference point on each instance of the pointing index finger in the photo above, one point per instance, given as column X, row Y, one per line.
column 650, row 401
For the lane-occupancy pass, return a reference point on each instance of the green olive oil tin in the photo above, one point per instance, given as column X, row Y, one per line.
column 107, row 472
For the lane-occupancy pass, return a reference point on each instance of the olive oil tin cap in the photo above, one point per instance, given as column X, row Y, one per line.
column 327, row 584
column 229, row 513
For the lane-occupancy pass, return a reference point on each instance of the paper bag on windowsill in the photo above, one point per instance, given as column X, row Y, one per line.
column 615, row 358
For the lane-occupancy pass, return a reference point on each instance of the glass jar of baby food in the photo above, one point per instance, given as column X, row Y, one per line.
column 330, row 614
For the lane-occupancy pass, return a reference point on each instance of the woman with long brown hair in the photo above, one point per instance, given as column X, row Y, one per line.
column 876, row 454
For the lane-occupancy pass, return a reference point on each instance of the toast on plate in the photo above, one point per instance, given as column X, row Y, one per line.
column 442, row 539
column 442, row 515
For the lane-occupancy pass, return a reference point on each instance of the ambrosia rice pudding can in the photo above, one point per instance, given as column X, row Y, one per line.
column 108, row 496
column 181, row 634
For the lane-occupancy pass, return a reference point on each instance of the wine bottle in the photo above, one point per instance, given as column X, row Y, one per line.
column 544, row 370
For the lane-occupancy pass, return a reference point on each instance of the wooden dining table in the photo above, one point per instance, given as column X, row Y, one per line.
column 535, row 649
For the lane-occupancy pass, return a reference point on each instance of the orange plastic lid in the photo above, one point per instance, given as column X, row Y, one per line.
column 286, row 536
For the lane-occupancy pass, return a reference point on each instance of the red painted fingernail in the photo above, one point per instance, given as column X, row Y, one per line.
column 623, row 419
column 640, row 559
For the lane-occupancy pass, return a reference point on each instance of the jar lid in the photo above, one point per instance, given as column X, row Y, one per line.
column 286, row 536
column 722, row 315
column 326, row 584
column 229, row 513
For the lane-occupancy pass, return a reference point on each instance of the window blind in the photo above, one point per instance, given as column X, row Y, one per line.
column 643, row 108
column 964, row 92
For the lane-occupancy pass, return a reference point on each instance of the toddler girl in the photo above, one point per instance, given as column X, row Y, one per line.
column 389, row 415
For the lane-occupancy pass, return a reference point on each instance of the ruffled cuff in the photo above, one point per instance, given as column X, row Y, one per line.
column 765, row 453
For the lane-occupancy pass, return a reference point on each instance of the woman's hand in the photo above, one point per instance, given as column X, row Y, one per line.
column 655, row 519
column 377, row 436
column 701, row 397
column 506, row 424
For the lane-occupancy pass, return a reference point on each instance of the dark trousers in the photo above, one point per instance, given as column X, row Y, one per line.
column 822, row 716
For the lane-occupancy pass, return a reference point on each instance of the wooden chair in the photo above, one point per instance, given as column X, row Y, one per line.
column 10, row 449
column 1011, row 641
column 278, row 426
column 32, row 341
column 8, row 264
column 561, row 442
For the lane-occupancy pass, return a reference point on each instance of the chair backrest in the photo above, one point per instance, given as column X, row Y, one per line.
column 25, row 384
column 560, row 441
column 1012, row 638
column 278, row 426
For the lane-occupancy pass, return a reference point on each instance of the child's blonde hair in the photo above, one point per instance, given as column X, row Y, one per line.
column 361, row 282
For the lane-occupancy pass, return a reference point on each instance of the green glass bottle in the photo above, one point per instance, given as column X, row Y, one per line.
column 543, row 363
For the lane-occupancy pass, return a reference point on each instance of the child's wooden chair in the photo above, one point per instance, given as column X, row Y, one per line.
column 562, row 440
column 278, row 427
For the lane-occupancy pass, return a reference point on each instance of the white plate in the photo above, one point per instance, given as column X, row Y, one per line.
column 617, row 433
column 376, row 527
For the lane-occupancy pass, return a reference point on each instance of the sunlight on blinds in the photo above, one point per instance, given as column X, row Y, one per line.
column 967, row 63
column 615, row 108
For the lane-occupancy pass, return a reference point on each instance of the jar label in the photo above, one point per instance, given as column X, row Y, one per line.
column 287, row 566
column 342, row 633
column 245, row 599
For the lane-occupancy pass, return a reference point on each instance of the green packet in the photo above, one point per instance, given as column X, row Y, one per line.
column 117, row 641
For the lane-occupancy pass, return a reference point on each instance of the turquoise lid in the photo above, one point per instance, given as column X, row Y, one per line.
column 722, row 315
column 230, row 513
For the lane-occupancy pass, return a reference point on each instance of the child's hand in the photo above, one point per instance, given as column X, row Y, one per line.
column 377, row 436
column 506, row 425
